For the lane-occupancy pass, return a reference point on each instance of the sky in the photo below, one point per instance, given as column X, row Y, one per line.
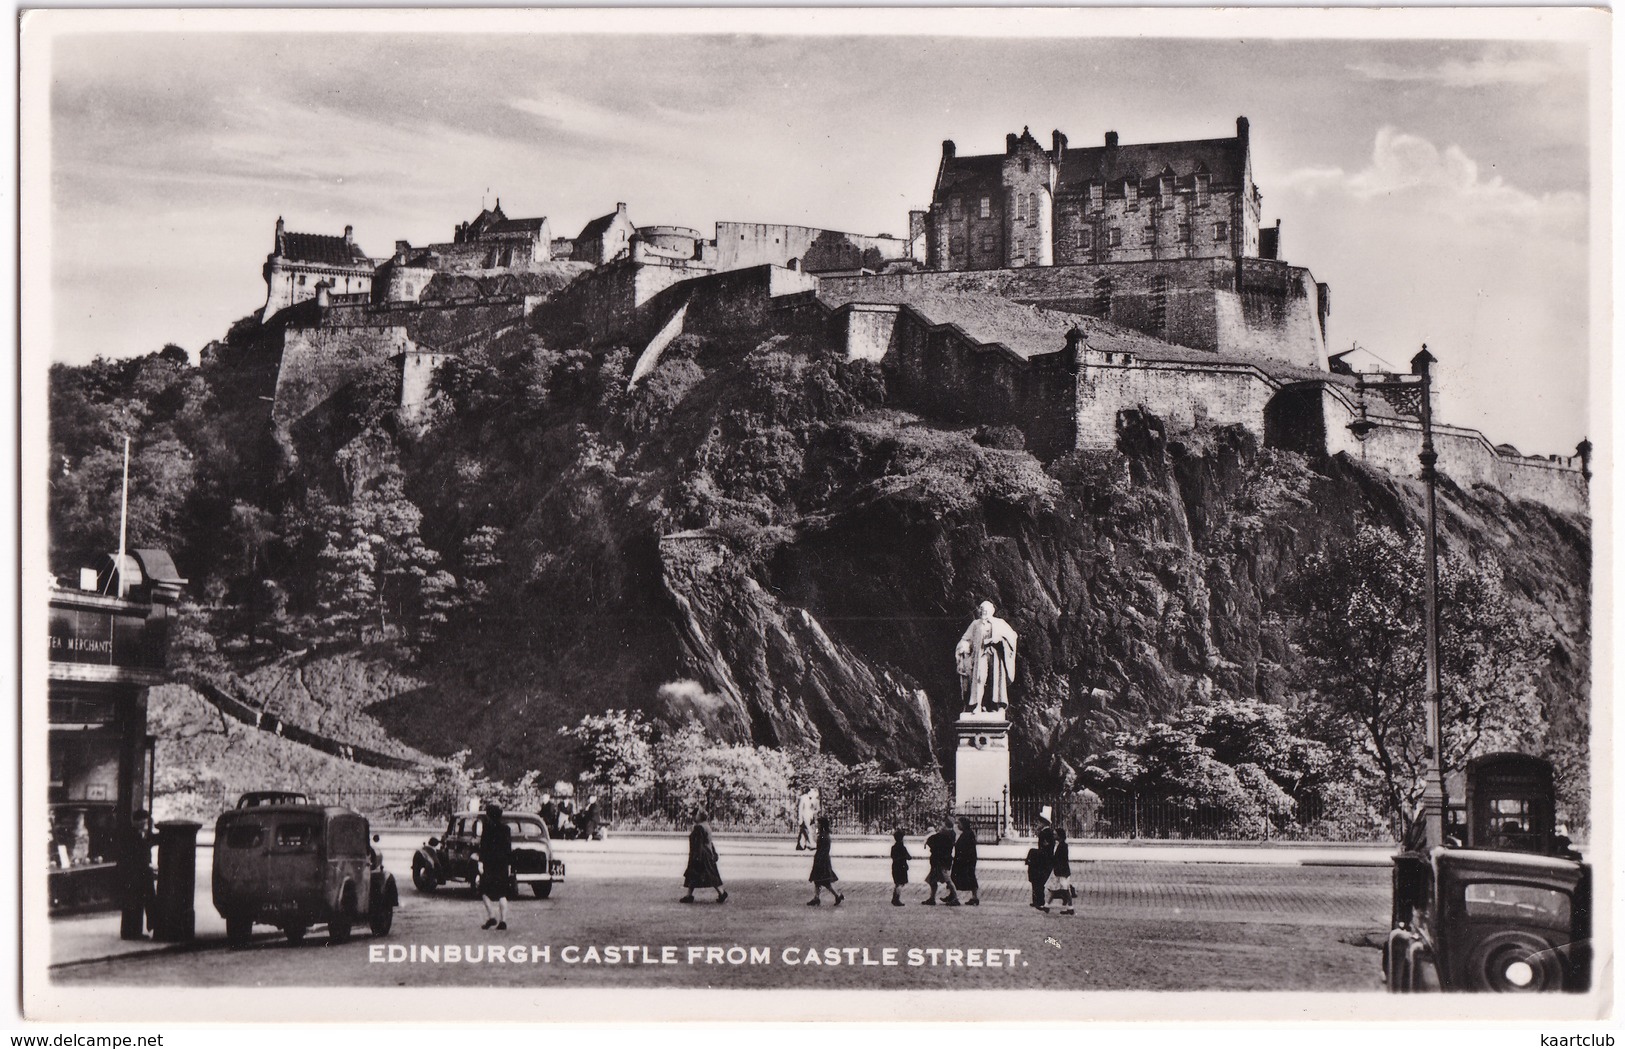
column 1441, row 187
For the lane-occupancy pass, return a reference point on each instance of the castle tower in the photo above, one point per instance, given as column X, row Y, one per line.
column 1028, row 178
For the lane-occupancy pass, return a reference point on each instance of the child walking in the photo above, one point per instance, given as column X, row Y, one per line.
column 823, row 871
column 899, row 867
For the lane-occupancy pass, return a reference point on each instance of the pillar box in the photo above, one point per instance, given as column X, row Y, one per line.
column 176, row 915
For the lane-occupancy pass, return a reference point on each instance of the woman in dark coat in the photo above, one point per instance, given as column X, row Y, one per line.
column 496, row 868
column 823, row 871
column 702, row 870
column 1040, row 865
column 964, row 868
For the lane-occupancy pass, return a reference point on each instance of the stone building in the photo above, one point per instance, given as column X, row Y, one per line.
column 301, row 261
column 1029, row 206
column 507, row 242
column 741, row 245
column 604, row 239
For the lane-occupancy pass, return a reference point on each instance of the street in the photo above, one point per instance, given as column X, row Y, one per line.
column 617, row 922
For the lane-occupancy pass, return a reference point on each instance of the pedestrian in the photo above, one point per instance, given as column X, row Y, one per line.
column 496, row 868
column 806, row 818
column 587, row 820
column 140, row 891
column 823, row 871
column 899, row 867
column 702, row 872
column 964, row 867
column 1060, row 878
column 1040, row 864
column 941, row 847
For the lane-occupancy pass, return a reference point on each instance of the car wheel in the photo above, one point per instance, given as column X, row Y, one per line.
column 1514, row 962
column 295, row 933
column 542, row 889
column 383, row 918
column 238, row 931
column 340, row 925
column 424, row 878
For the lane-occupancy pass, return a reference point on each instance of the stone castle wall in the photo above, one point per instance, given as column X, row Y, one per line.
column 317, row 362
column 1251, row 307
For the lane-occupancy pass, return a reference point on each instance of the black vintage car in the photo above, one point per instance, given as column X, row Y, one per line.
column 452, row 857
column 1510, row 911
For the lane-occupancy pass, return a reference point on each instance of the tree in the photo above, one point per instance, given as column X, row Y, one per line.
column 1362, row 633
column 615, row 748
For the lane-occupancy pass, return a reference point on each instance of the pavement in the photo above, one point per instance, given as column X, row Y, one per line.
column 80, row 939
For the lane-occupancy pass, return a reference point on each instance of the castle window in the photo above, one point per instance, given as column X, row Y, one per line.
column 1131, row 193
column 1032, row 207
column 1026, row 165
column 1097, row 194
column 1021, row 207
column 987, row 207
column 1087, row 238
column 301, row 279
column 956, row 208
column 987, row 242
column 1203, row 183
column 1116, row 237
column 956, row 245
column 1184, row 232
column 1221, row 232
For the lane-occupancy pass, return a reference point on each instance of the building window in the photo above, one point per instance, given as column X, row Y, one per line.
column 1032, row 207
column 1131, row 193
column 1097, row 194
column 1116, row 237
column 1087, row 239
column 956, row 245
column 1026, row 165
column 301, row 279
column 1184, row 233
column 987, row 207
column 1021, row 207
column 987, row 242
column 956, row 208
column 1202, row 186
column 1221, row 232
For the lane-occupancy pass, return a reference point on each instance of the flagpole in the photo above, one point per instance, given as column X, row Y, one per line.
column 123, row 516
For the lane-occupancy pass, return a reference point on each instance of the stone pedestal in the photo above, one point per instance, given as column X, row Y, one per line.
column 982, row 768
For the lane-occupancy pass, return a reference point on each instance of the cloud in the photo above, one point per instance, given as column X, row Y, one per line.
column 1480, row 72
column 1446, row 180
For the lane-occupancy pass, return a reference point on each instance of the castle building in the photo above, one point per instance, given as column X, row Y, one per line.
column 301, row 261
column 509, row 242
column 604, row 239
column 1029, row 206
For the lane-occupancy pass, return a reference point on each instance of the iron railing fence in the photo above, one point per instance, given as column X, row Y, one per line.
column 659, row 809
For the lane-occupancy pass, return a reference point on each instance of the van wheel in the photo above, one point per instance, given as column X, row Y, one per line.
column 542, row 889
column 424, row 878
column 295, row 933
column 238, row 931
column 383, row 917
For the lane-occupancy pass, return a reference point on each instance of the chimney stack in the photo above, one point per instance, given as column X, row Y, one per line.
column 1241, row 129
column 620, row 208
column 1058, row 146
column 1010, row 142
column 1111, row 140
column 281, row 235
column 947, row 151
column 349, row 234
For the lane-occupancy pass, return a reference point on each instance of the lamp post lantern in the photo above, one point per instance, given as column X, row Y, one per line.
column 1413, row 395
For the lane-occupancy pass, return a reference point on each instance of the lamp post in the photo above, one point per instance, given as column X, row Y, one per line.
column 1413, row 395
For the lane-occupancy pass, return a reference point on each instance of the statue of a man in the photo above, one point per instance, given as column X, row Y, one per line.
column 986, row 657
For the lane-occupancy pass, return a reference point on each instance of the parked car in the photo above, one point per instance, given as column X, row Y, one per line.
column 295, row 865
column 1508, row 909
column 451, row 857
